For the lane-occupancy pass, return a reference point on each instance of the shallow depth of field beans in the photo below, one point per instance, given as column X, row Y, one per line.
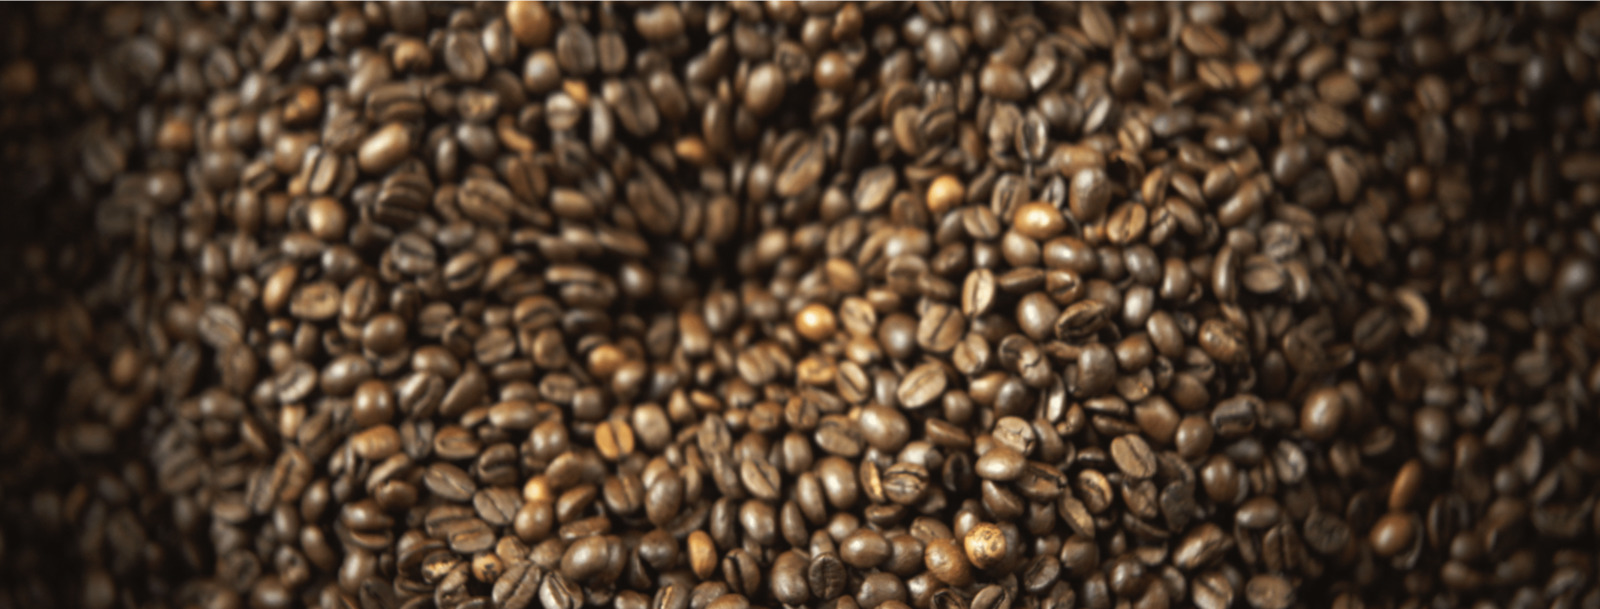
column 784, row 305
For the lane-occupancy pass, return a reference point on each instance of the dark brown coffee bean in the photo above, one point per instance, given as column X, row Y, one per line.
column 376, row 443
column 764, row 89
column 1133, row 456
column 826, row 576
column 316, row 301
column 948, row 561
column 1322, row 414
column 864, row 549
column 1269, row 592
column 838, row 436
column 761, row 479
column 517, row 586
column 801, row 170
column 449, row 482
column 789, row 583
column 1193, row 437
column 921, row 386
column 992, row 597
column 939, row 328
column 614, row 440
column 1224, row 341
column 1236, row 416
column 1038, row 221
column 1204, row 40
column 556, row 590
column 1001, row 463
column 905, row 483
column 978, row 292
column 1326, row 533
column 985, row 545
column 816, row 322
column 1090, row 194
column 1392, row 534
column 1202, row 545
column 497, row 505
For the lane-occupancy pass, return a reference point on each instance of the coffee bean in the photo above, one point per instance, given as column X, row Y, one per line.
column 449, row 482
column 826, row 576
column 614, row 440
column 864, row 549
column 1193, row 437
column 801, row 170
column 1392, row 534
column 1038, row 221
column 978, row 293
column 884, row 427
column 1090, row 194
column 985, row 545
column 1223, row 341
column 815, row 322
column 764, row 89
column 316, row 301
column 1322, row 414
column 1269, row 592
column 559, row 592
column 992, row 597
column 939, row 328
column 1202, row 545
column 517, row 586
column 761, row 479
column 921, row 386
column 905, row 483
column 789, row 583
column 1325, row 532
column 376, row 443
column 1001, row 463
column 1081, row 320
column 837, row 436
column 497, row 505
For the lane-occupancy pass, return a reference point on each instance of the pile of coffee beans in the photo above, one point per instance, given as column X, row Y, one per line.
column 763, row 305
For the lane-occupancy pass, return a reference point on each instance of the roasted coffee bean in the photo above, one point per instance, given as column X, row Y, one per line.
column 826, row 576
column 449, row 482
column 1001, row 463
column 939, row 328
column 1133, row 456
column 761, row 479
column 1223, row 341
column 1322, row 414
column 985, row 545
column 517, row 586
column 1269, row 592
column 921, row 386
column 789, row 583
column 864, row 549
column 978, row 292
column 948, row 562
column 1392, row 533
column 884, row 428
column 558, row 591
column 1082, row 320
column 497, row 505
column 815, row 322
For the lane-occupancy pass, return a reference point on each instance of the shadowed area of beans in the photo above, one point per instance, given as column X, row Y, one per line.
column 782, row 305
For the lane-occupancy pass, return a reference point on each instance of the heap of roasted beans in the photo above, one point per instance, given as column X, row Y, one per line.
column 769, row 305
